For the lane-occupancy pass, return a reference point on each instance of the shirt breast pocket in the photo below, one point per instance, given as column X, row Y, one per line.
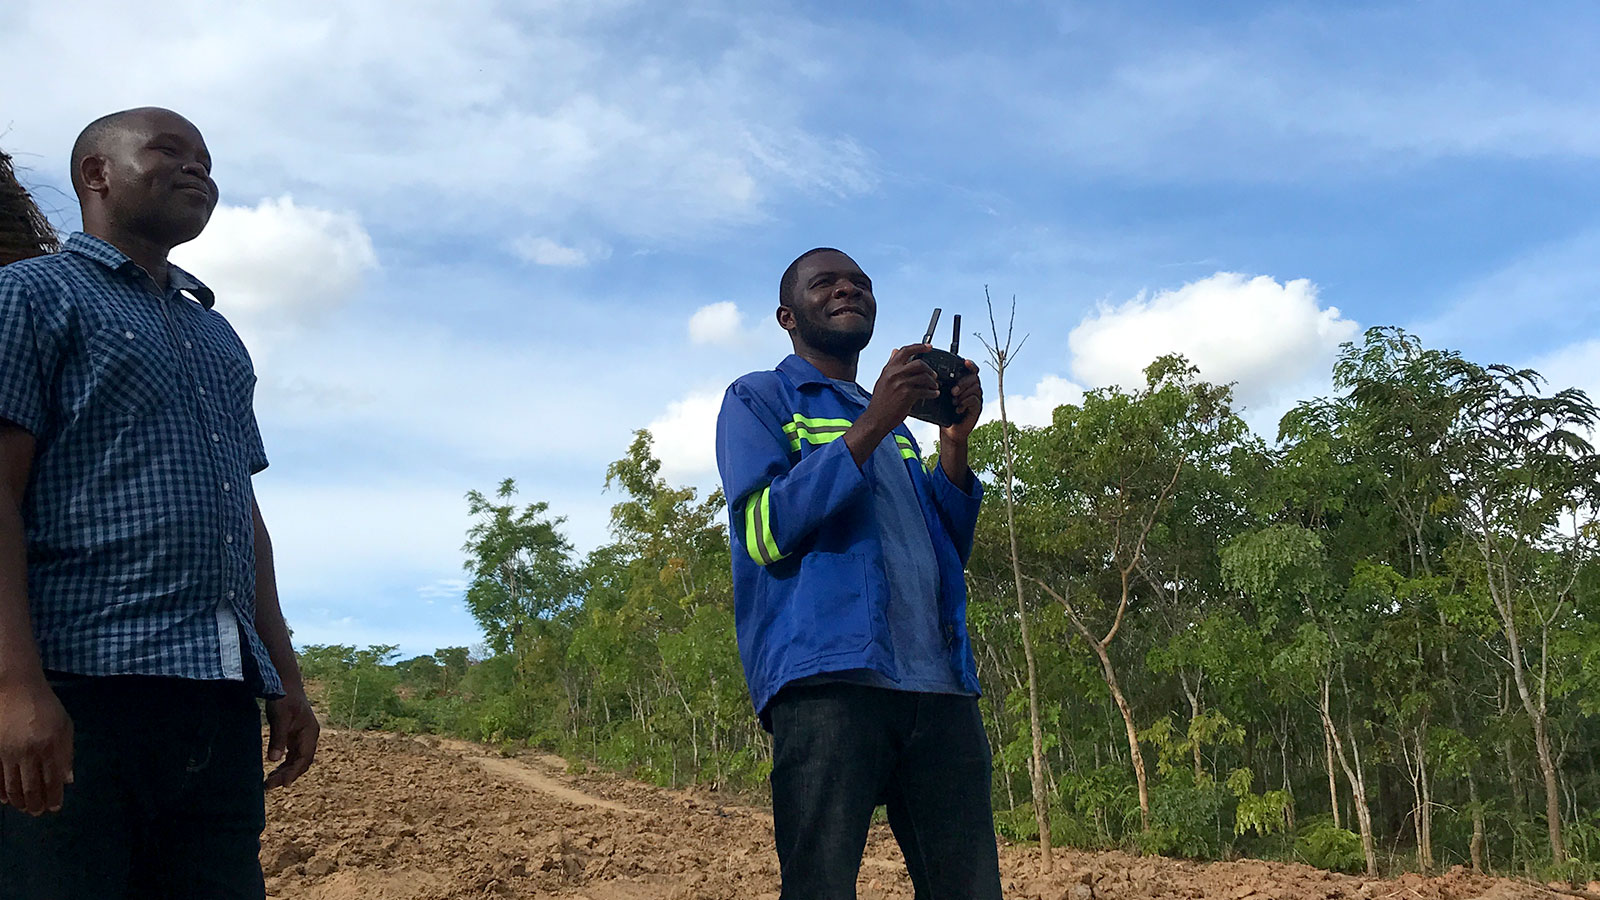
column 833, row 591
column 132, row 374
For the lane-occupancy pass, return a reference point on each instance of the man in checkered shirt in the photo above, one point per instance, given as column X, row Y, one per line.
column 139, row 617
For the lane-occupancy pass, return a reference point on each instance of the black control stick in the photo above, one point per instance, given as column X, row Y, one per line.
column 950, row 369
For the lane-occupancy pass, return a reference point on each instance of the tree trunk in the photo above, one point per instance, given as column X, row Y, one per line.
column 1352, row 772
column 1541, row 734
column 1500, row 596
column 1475, row 848
column 1195, row 709
column 1424, row 805
column 1136, row 755
column 1041, row 803
column 1333, row 781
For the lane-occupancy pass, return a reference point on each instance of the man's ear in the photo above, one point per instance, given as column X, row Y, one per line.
column 785, row 317
column 93, row 173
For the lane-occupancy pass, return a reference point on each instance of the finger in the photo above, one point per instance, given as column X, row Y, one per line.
column 911, row 350
column 54, row 784
column 276, row 738
column 64, row 755
column 33, row 790
column 301, row 752
column 11, row 785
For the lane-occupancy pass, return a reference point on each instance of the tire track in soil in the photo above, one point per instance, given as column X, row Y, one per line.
column 389, row 817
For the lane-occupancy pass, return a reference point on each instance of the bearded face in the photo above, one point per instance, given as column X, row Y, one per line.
column 832, row 309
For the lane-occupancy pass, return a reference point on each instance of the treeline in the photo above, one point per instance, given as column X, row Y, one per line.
column 1369, row 643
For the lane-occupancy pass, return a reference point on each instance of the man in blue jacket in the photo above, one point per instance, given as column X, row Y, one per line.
column 850, row 598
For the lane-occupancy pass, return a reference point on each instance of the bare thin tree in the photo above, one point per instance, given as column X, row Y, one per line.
column 1000, row 356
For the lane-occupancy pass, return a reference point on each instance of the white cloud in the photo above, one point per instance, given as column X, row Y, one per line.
column 473, row 115
column 443, row 589
column 277, row 265
column 1573, row 366
column 1268, row 337
column 1035, row 409
column 542, row 251
column 1552, row 282
column 717, row 323
column 685, row 438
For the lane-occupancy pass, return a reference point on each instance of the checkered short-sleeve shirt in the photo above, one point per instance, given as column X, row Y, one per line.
column 141, row 555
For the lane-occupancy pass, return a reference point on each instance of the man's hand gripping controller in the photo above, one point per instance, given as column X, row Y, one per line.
column 949, row 368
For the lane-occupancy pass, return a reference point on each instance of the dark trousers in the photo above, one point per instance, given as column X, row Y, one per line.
column 839, row 750
column 166, row 803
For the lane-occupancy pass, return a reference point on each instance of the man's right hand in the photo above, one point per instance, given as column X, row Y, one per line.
column 35, row 747
column 904, row 381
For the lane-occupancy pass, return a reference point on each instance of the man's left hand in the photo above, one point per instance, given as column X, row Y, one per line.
column 968, row 395
column 292, row 737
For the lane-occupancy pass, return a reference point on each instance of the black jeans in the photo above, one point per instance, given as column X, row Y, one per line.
column 839, row 750
column 166, row 803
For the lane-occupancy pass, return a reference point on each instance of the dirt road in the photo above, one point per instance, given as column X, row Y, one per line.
column 385, row 817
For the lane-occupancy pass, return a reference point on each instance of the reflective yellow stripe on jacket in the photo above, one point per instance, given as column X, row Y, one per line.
column 814, row 431
column 758, row 537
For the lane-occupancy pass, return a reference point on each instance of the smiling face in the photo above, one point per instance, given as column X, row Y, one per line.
column 151, row 174
column 831, row 309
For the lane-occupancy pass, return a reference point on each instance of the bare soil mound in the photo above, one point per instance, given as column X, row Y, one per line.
column 386, row 817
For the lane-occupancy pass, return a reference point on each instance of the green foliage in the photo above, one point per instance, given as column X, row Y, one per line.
column 1265, row 813
column 1185, row 818
column 1326, row 847
column 1344, row 601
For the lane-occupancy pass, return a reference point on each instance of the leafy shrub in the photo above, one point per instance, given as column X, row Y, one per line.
column 1184, row 819
column 1326, row 847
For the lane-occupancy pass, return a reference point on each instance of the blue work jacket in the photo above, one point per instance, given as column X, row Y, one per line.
column 809, row 591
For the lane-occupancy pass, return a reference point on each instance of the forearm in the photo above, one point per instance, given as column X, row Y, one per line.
column 270, row 624
column 19, row 654
column 863, row 438
column 953, row 459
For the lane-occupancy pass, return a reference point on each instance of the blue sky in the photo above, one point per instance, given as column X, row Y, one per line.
column 475, row 240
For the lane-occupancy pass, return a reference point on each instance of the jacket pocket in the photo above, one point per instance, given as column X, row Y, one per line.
column 834, row 613
column 133, row 375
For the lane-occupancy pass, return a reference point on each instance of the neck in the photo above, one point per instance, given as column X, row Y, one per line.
column 835, row 367
column 150, row 255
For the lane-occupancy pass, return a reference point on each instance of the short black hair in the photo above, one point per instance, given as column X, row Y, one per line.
column 786, row 284
column 97, row 134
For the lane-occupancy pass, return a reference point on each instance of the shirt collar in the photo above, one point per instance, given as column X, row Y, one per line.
column 802, row 372
column 101, row 251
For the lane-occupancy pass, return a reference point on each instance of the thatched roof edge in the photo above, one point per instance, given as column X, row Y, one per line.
column 24, row 230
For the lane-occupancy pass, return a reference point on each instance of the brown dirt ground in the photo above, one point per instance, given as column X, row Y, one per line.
column 387, row 817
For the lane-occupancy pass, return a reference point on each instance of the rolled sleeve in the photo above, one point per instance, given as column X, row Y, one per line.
column 22, row 391
column 957, row 508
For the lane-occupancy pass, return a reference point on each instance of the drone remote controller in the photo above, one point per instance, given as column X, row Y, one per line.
column 950, row 369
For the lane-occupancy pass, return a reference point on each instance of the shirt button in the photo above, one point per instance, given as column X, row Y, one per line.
column 230, row 595
column 229, row 539
column 128, row 335
column 188, row 346
column 215, row 437
column 227, row 486
column 202, row 392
